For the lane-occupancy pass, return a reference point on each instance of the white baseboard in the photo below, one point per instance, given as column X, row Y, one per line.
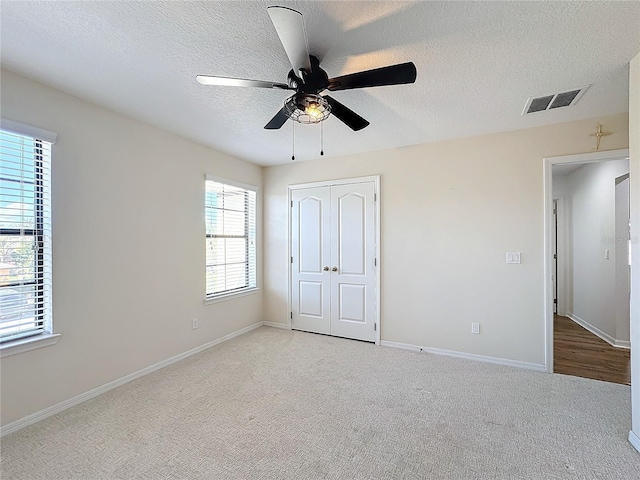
column 623, row 344
column 83, row 397
column 634, row 440
column 284, row 326
column 599, row 333
column 469, row 356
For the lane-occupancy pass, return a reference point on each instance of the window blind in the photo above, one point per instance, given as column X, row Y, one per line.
column 25, row 235
column 230, row 215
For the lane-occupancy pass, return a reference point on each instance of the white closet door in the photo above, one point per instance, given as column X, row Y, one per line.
column 310, row 282
column 352, row 254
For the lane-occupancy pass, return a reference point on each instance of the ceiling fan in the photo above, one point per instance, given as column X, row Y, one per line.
column 308, row 80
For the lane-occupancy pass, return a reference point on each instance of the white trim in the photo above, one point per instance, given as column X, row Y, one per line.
column 563, row 254
column 599, row 333
column 592, row 157
column 634, row 440
column 83, row 397
column 283, row 326
column 548, row 163
column 233, row 183
column 29, row 343
column 376, row 205
column 467, row 356
column 28, row 130
column 341, row 181
column 230, row 296
column 289, row 253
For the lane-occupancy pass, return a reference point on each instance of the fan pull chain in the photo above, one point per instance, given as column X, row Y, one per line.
column 293, row 153
column 321, row 138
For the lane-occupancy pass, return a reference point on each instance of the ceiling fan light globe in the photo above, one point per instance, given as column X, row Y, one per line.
column 307, row 108
column 313, row 110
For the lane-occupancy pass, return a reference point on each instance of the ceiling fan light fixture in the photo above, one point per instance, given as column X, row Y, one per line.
column 307, row 108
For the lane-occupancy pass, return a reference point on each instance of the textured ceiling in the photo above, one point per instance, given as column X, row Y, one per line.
column 477, row 63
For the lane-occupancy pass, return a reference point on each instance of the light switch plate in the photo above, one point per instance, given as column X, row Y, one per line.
column 513, row 257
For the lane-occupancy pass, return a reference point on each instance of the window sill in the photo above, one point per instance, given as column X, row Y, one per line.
column 30, row 343
column 230, row 296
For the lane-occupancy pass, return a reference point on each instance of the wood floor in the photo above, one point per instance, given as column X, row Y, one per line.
column 578, row 352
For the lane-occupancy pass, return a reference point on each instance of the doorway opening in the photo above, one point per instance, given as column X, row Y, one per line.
column 587, row 292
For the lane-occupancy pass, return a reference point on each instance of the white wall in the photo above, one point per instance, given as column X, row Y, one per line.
column 562, row 192
column 128, row 248
column 623, row 287
column 450, row 211
column 592, row 226
column 560, row 185
column 634, row 177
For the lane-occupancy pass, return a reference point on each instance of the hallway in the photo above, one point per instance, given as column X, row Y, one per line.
column 578, row 352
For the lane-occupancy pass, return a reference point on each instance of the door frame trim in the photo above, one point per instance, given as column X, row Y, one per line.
column 376, row 212
column 548, row 163
column 562, row 249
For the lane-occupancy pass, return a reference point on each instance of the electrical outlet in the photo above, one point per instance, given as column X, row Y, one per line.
column 475, row 328
column 194, row 323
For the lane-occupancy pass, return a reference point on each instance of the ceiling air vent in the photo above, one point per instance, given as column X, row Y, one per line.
column 556, row 100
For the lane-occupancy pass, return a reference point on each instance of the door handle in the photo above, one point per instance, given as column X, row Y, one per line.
column 326, row 269
column 334, row 269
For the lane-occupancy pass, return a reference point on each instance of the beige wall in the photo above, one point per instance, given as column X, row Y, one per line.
column 128, row 251
column 634, row 177
column 450, row 211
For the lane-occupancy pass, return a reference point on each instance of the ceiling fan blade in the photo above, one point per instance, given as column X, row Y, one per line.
column 277, row 121
column 350, row 118
column 391, row 75
column 239, row 82
column 290, row 28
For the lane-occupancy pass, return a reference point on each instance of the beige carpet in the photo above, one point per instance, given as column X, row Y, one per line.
column 275, row 404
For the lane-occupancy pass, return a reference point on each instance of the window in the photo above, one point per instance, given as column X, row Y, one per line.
column 25, row 234
column 230, row 214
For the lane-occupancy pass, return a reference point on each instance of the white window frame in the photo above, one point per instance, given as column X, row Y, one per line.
column 47, row 336
column 249, row 290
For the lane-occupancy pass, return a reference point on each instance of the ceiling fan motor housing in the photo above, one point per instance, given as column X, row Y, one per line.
column 314, row 81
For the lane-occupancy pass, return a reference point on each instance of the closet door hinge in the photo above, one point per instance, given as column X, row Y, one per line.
column 375, row 197
column 291, row 315
column 291, row 203
column 375, row 262
column 375, row 327
column 291, row 259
